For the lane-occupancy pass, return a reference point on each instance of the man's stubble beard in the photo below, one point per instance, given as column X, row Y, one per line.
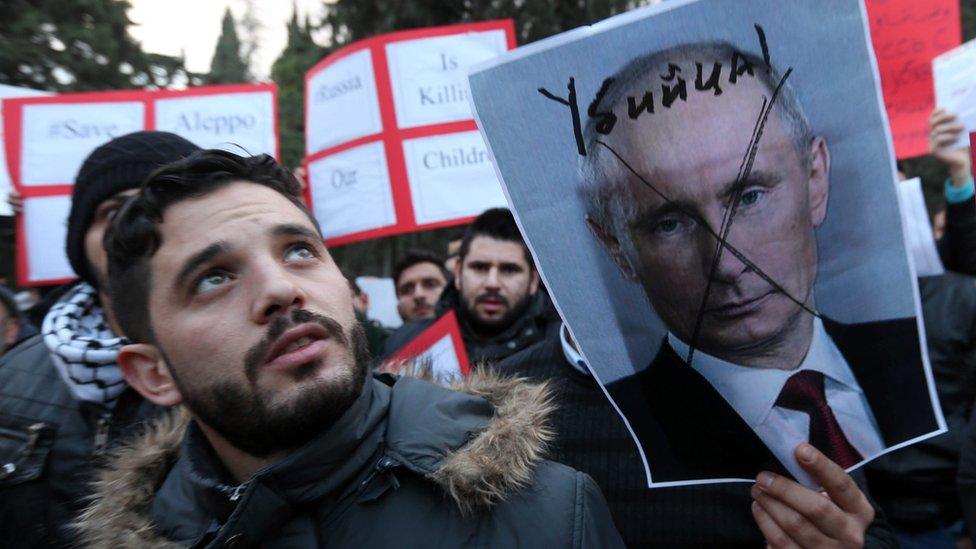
column 246, row 416
column 490, row 328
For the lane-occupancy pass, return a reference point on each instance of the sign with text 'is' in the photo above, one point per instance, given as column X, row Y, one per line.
column 906, row 35
column 391, row 143
column 48, row 138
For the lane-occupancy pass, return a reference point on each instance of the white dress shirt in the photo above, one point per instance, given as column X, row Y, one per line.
column 752, row 392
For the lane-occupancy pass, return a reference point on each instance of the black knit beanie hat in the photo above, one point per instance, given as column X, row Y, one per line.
column 121, row 164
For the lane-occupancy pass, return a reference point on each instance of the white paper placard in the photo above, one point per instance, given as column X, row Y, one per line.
column 443, row 359
column 46, row 225
column 342, row 103
column 954, row 73
column 382, row 300
column 918, row 231
column 242, row 123
column 6, row 185
column 351, row 190
column 451, row 176
column 57, row 138
column 429, row 75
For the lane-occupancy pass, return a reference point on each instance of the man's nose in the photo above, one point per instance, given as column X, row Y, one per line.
column 720, row 259
column 277, row 293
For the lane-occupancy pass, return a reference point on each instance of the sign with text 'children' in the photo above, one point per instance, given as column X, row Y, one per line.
column 391, row 144
column 48, row 139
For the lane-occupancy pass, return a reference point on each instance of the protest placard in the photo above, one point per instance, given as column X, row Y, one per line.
column 391, row 144
column 6, row 185
column 918, row 229
column 906, row 35
column 48, row 139
column 954, row 73
column 439, row 347
column 708, row 189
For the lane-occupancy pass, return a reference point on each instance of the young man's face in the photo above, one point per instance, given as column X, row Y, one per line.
column 95, row 235
column 692, row 154
column 495, row 282
column 417, row 289
column 253, row 318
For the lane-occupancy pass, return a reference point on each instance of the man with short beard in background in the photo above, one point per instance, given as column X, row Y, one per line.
column 495, row 294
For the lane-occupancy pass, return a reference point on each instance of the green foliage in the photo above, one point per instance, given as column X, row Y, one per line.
column 228, row 66
column 288, row 71
column 78, row 45
column 351, row 20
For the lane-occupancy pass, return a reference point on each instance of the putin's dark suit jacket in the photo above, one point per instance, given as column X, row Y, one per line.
column 688, row 431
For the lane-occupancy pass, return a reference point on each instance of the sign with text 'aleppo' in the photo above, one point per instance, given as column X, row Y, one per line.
column 48, row 139
column 906, row 35
column 391, row 144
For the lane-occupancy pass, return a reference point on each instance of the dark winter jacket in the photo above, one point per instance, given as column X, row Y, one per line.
column 50, row 445
column 917, row 485
column 590, row 436
column 538, row 322
column 410, row 464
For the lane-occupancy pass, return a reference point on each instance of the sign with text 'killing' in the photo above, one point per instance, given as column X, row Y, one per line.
column 906, row 36
column 391, row 144
column 48, row 139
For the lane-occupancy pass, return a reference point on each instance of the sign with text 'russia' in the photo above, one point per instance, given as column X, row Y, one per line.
column 391, row 143
column 48, row 138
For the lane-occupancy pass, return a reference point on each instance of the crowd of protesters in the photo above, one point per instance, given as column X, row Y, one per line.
column 214, row 379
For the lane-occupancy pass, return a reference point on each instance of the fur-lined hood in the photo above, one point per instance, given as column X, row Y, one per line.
column 488, row 465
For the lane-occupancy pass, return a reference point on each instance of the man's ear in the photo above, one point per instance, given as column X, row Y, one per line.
column 612, row 244
column 457, row 274
column 534, row 283
column 148, row 373
column 819, row 185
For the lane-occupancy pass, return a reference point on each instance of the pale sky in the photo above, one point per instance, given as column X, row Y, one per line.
column 193, row 26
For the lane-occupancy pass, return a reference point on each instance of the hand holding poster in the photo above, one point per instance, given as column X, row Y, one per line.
column 391, row 143
column 954, row 73
column 718, row 176
column 906, row 36
column 48, row 139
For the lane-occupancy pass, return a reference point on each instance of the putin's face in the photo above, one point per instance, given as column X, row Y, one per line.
column 691, row 154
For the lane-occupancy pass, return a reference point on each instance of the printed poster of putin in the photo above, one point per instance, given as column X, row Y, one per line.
column 709, row 189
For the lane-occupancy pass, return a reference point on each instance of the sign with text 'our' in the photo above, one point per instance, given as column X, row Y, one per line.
column 48, row 138
column 391, row 143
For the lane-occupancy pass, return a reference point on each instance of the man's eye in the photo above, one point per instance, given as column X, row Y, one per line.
column 666, row 226
column 210, row 282
column 749, row 198
column 300, row 252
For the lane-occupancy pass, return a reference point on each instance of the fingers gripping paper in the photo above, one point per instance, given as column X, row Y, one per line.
column 48, row 139
column 391, row 144
column 708, row 188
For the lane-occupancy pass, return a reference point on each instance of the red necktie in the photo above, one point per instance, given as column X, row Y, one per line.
column 804, row 392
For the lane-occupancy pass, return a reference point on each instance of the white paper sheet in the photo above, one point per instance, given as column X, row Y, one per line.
column 954, row 73
column 918, row 231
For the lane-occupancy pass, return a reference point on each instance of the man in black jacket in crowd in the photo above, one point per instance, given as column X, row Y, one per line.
column 63, row 400
column 237, row 312
column 496, row 293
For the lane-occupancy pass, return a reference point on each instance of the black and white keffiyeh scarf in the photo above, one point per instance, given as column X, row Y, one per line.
column 83, row 347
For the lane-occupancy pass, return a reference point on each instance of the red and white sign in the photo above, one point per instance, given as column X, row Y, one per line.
column 9, row 92
column 48, row 138
column 441, row 347
column 391, row 142
column 906, row 35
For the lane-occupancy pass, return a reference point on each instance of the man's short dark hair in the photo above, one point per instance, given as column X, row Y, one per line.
column 413, row 257
column 134, row 236
column 497, row 223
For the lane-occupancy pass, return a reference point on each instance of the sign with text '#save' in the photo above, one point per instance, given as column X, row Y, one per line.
column 391, row 144
column 48, row 139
